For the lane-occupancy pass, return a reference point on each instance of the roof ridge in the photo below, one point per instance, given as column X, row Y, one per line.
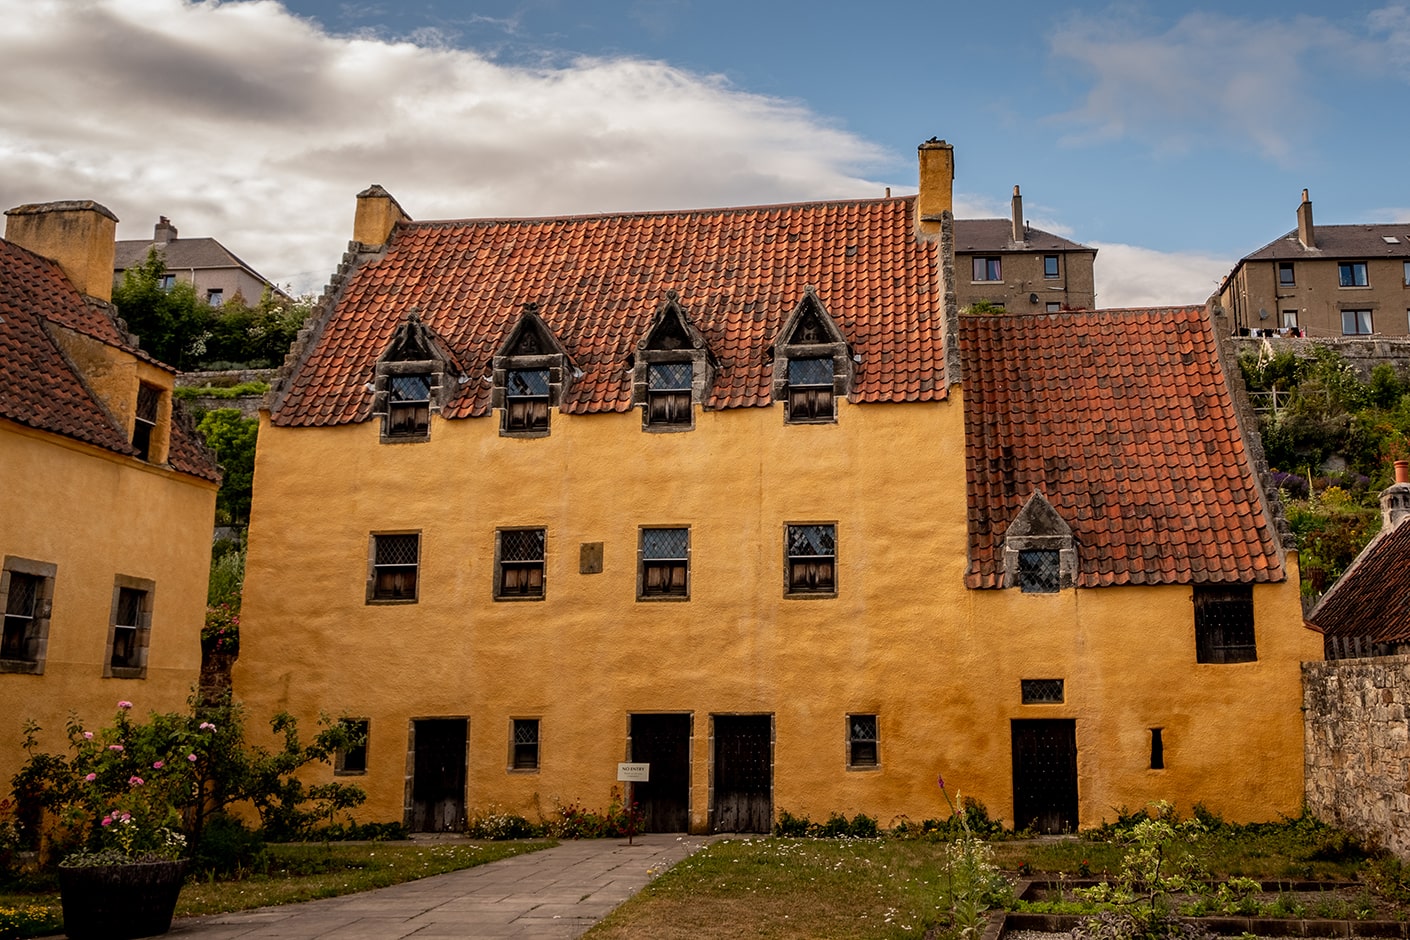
column 657, row 213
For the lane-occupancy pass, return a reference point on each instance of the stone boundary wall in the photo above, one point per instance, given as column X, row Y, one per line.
column 1357, row 747
column 247, row 405
column 1362, row 354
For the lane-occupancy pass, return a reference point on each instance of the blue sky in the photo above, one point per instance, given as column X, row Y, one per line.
column 1173, row 137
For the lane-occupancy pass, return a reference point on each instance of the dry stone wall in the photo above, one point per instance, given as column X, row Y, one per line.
column 1357, row 746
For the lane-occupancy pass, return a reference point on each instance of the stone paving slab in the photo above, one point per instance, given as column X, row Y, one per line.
column 556, row 893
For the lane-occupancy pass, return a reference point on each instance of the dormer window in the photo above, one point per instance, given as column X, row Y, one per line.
column 672, row 369
column 531, row 375
column 526, row 398
column 409, row 405
column 413, row 377
column 144, row 426
column 812, row 364
column 1040, row 554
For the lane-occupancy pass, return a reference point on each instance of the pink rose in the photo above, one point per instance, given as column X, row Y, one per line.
column 191, row 758
column 124, row 705
column 207, row 726
column 126, row 817
column 157, row 765
column 91, row 777
column 107, row 820
column 134, row 781
column 114, row 747
column 88, row 735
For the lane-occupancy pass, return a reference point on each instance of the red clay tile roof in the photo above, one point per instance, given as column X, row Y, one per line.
column 598, row 280
column 1123, row 419
column 1372, row 598
column 41, row 388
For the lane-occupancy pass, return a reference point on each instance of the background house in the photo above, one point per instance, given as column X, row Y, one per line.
column 106, row 494
column 1023, row 269
column 737, row 493
column 213, row 270
column 1324, row 280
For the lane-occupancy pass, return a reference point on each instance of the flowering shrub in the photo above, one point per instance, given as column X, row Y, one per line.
column 501, row 825
column 221, row 634
column 576, row 822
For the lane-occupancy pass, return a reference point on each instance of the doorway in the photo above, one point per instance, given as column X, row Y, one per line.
column 663, row 741
column 1045, row 774
column 438, row 774
column 743, row 797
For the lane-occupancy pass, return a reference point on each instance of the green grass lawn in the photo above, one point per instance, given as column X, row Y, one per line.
column 294, row 873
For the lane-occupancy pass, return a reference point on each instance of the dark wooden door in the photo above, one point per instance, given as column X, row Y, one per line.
column 1045, row 774
column 743, row 773
column 438, row 777
column 663, row 741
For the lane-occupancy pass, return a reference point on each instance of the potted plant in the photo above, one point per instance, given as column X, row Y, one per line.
column 119, row 796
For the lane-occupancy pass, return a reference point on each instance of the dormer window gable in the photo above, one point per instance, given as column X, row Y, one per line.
column 812, row 364
column 532, row 372
column 1040, row 553
column 412, row 382
column 672, row 370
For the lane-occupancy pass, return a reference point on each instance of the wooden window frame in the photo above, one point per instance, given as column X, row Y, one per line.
column 352, row 761
column 376, row 595
column 856, row 746
column 36, row 632
column 501, row 566
column 525, row 757
column 146, row 417
column 644, row 591
column 1213, row 602
column 141, row 632
column 790, row 588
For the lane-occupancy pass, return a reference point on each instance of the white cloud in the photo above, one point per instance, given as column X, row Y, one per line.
column 241, row 121
column 1131, row 276
column 1212, row 77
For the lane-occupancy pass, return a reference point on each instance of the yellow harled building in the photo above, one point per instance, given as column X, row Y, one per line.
column 737, row 493
column 107, row 495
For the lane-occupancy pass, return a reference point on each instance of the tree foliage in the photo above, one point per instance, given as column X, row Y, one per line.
column 232, row 437
column 183, row 331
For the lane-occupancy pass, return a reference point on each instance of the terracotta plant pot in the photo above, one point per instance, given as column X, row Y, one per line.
column 120, row 902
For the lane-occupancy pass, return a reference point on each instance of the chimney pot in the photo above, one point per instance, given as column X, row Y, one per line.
column 1395, row 499
column 1402, row 471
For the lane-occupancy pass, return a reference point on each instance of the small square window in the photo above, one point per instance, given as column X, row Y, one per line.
column 215, row 297
column 144, row 424
column 862, row 744
column 1052, row 306
column 665, row 563
column 1224, row 624
column 1356, row 323
column 352, row 759
column 1290, row 319
column 520, row 557
column 168, row 281
column 396, row 560
column 811, row 559
column 526, row 398
column 1352, row 274
column 1039, row 570
column 1285, row 274
column 988, row 269
column 408, row 405
column 1041, row 691
column 1050, row 266
column 130, row 628
column 810, row 388
column 524, row 744
column 668, row 390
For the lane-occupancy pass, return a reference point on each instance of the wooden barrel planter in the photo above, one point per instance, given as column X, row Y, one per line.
column 120, row 902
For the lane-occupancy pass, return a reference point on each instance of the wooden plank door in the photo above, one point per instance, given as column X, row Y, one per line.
column 1045, row 774
column 743, row 773
column 663, row 741
column 438, row 775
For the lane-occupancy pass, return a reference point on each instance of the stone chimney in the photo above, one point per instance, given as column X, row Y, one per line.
column 377, row 214
column 77, row 234
column 1018, row 229
column 937, row 185
column 164, row 231
column 1305, row 234
column 1395, row 499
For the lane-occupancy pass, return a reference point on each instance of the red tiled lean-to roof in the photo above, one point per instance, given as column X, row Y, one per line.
column 41, row 388
column 1372, row 597
column 598, row 280
column 1123, row 419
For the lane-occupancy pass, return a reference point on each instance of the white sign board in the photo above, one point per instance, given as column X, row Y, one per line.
column 634, row 773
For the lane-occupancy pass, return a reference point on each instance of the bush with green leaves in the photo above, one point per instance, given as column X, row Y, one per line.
column 498, row 825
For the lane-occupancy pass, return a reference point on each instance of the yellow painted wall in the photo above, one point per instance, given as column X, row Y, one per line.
column 903, row 639
column 114, row 376
column 95, row 515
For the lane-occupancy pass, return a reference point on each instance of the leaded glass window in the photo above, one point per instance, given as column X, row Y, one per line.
column 1041, row 691
column 812, row 559
column 665, row 562
column 408, row 405
column 21, row 604
column 521, row 563
column 526, row 744
column 810, row 387
column 1039, row 570
column 526, row 399
column 668, row 389
column 862, row 741
column 396, row 559
column 126, row 649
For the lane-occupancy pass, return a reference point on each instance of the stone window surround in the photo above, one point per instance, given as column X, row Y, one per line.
column 381, row 401
column 875, row 741
column 499, row 595
column 148, row 588
column 788, row 592
column 43, row 610
column 372, row 597
column 1038, row 526
column 514, row 722
column 836, row 348
column 641, row 562
column 702, row 373
column 339, row 767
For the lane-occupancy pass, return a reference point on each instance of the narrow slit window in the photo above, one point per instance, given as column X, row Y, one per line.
column 145, row 425
column 1157, row 749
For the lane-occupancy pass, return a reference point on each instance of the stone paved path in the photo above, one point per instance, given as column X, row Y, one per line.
column 559, row 892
